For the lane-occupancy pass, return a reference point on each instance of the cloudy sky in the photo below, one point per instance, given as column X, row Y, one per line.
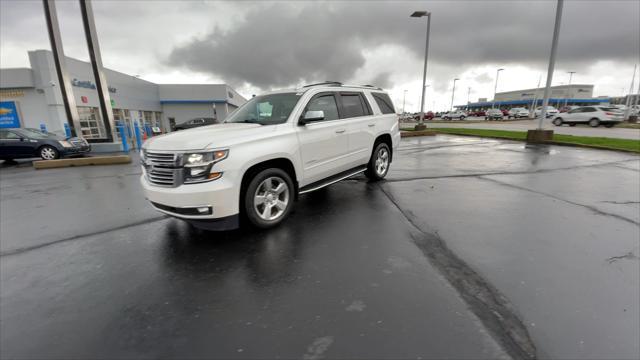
column 257, row 46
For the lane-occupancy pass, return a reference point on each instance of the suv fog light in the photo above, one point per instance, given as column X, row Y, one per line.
column 203, row 210
column 197, row 171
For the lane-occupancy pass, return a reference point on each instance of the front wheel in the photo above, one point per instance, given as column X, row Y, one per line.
column 557, row 122
column 594, row 122
column 268, row 198
column 379, row 163
column 461, row 118
column 49, row 153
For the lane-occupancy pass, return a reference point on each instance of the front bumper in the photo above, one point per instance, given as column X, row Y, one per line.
column 76, row 150
column 221, row 197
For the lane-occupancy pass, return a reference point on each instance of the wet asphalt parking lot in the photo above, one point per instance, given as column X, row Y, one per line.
column 472, row 248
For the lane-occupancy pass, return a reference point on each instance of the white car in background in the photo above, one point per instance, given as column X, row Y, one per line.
column 592, row 115
column 457, row 114
column 551, row 111
column 518, row 112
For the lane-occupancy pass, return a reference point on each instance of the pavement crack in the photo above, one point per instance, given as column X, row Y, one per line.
column 589, row 207
column 628, row 256
column 621, row 202
column 78, row 237
column 492, row 308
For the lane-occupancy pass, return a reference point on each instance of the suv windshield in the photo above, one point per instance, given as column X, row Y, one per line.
column 265, row 109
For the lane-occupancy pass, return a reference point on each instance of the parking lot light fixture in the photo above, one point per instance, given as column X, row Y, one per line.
column 495, row 89
column 453, row 92
column 404, row 98
column 419, row 14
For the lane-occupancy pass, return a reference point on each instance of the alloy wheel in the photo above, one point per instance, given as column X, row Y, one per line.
column 271, row 198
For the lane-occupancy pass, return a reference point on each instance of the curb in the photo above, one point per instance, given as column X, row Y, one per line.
column 87, row 161
column 417, row 133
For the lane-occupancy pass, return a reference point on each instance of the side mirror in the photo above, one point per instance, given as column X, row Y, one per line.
column 312, row 115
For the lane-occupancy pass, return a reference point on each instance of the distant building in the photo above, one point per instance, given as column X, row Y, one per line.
column 575, row 94
column 36, row 96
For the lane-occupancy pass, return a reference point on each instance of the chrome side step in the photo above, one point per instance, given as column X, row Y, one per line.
column 332, row 179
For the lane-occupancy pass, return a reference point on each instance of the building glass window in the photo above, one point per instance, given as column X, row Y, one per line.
column 91, row 125
column 159, row 119
column 147, row 117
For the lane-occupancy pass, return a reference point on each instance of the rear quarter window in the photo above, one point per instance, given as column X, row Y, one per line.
column 384, row 103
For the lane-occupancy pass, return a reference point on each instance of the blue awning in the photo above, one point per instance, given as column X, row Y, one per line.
column 538, row 102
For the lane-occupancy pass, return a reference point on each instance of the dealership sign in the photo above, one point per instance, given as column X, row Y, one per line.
column 88, row 85
column 9, row 117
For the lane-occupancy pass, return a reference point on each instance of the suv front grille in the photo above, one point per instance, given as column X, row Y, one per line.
column 162, row 176
column 160, row 159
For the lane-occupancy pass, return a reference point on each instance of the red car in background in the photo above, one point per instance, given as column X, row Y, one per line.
column 477, row 113
column 505, row 112
column 429, row 115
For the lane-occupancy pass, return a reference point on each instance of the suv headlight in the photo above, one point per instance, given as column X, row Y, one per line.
column 198, row 165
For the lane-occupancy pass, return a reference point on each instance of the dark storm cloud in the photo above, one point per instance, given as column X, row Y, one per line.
column 283, row 44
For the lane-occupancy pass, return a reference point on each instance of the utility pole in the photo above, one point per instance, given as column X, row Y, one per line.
column 418, row 14
column 495, row 89
column 552, row 62
column 404, row 97
column 468, row 96
column 627, row 101
column 453, row 92
column 535, row 98
column 566, row 100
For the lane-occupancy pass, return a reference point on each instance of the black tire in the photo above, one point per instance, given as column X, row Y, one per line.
column 594, row 122
column 609, row 125
column 48, row 152
column 251, row 209
column 557, row 121
column 373, row 168
column 461, row 118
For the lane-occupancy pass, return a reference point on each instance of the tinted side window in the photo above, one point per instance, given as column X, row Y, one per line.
column 384, row 103
column 353, row 106
column 588, row 109
column 4, row 134
column 326, row 103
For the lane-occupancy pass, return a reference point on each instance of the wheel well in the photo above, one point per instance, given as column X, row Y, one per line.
column 594, row 118
column 384, row 138
column 280, row 163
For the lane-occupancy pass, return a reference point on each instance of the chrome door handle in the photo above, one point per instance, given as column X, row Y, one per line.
column 340, row 131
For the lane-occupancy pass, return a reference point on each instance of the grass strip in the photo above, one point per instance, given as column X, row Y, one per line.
column 629, row 145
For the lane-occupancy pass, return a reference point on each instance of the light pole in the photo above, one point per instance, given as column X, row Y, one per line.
column 419, row 14
column 495, row 89
column 453, row 92
column 404, row 97
column 552, row 63
column 566, row 100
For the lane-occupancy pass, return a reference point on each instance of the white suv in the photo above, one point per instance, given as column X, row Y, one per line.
column 271, row 149
column 592, row 115
column 456, row 114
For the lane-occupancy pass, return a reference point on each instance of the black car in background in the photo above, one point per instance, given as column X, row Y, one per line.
column 195, row 123
column 28, row 143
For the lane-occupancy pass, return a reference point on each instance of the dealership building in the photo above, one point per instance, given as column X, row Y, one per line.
column 578, row 94
column 31, row 97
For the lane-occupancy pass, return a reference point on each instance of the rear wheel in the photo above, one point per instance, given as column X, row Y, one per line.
column 379, row 163
column 594, row 122
column 48, row 152
column 462, row 117
column 268, row 198
column 557, row 121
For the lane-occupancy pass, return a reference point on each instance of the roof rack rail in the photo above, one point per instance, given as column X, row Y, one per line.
column 335, row 83
column 371, row 86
